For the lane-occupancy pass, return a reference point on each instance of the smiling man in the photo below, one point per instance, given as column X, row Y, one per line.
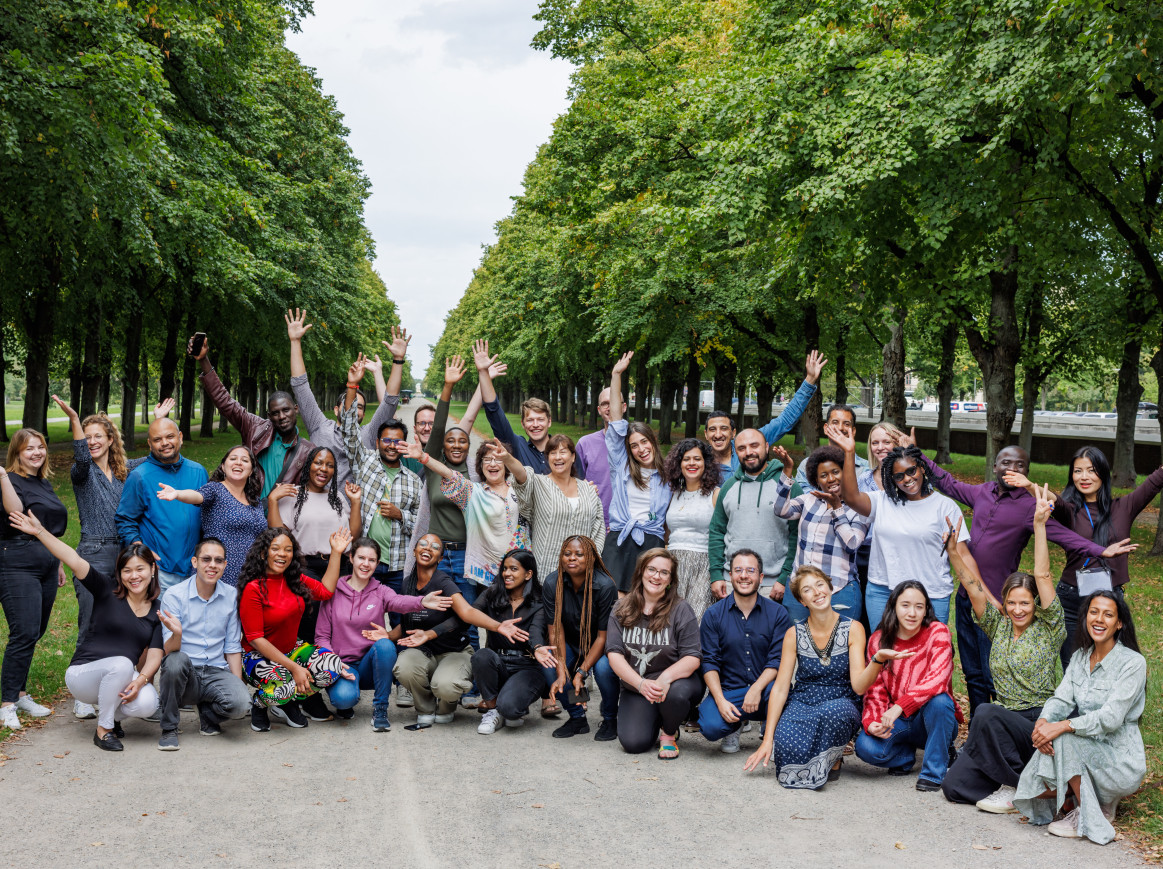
column 535, row 419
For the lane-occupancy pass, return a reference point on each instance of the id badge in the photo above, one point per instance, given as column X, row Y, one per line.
column 1092, row 579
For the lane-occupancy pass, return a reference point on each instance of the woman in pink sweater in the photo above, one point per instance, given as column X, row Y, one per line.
column 360, row 601
column 911, row 705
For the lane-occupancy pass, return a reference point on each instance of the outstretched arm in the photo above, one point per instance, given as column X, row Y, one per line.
column 27, row 523
column 849, row 488
column 616, row 385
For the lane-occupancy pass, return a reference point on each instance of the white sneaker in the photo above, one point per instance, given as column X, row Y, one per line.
column 470, row 701
column 84, row 710
column 425, row 719
column 746, row 727
column 1067, row 828
column 444, row 718
column 403, row 697
column 30, row 707
column 1000, row 802
column 514, row 722
column 730, row 743
column 9, row 718
column 490, row 721
column 1108, row 811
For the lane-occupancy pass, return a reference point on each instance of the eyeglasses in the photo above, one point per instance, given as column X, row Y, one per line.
column 907, row 472
column 210, row 559
column 745, row 571
column 424, row 544
column 660, row 572
column 390, row 441
column 423, row 425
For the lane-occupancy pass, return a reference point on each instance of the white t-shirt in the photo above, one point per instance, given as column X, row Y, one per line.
column 907, row 542
column 638, row 500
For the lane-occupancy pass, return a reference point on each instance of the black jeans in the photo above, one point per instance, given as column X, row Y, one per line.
column 514, row 681
column 639, row 720
column 973, row 646
column 28, row 589
column 1068, row 594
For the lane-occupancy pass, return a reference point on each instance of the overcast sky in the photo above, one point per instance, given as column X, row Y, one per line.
column 447, row 104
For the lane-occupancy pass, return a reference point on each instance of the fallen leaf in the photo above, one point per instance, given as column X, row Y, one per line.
column 549, row 865
column 648, row 778
column 74, row 779
column 351, row 778
column 288, row 764
column 496, row 792
column 900, row 846
column 145, row 814
column 163, row 814
column 537, row 806
column 96, row 844
column 58, row 756
column 341, row 800
column 977, row 847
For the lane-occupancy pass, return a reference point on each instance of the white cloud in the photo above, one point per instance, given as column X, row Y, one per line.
column 447, row 104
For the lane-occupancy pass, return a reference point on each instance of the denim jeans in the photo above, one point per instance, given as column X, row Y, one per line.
column 28, row 589
column 846, row 601
column 608, row 685
column 101, row 553
column 373, row 671
column 711, row 722
column 876, row 599
column 932, row 727
column 169, row 580
column 219, row 693
column 973, row 646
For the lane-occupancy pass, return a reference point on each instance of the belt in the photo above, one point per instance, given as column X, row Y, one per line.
column 453, row 544
column 93, row 538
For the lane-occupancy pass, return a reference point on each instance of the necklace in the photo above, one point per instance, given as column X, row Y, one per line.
column 824, row 654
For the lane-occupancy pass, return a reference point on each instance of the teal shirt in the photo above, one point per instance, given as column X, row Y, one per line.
column 271, row 461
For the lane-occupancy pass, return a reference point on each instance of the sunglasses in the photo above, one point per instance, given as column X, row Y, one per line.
column 908, row 472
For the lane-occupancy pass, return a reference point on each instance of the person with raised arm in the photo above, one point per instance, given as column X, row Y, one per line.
column 325, row 432
column 125, row 633
column 272, row 593
column 202, row 639
column 843, row 417
column 531, row 450
column 1003, row 521
column 640, row 496
column 908, row 527
column 275, row 441
column 593, row 460
column 230, row 506
column 830, row 532
column 690, row 473
column 720, row 429
column 809, row 724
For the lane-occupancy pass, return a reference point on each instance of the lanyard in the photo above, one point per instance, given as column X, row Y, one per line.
column 1090, row 518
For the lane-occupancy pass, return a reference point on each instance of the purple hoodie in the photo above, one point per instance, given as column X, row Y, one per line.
column 349, row 612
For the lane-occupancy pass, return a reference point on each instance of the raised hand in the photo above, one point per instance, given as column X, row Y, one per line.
column 352, row 491
column 398, row 346
column 25, row 523
column 886, row 655
column 839, row 437
column 789, row 466
column 166, row 493
column 435, row 600
column 480, row 355
column 949, row 538
column 203, row 353
column 497, row 450
column 163, row 408
column 814, row 365
column 622, row 364
column 1044, row 506
column 453, row 369
column 340, row 539
column 1123, row 547
column 68, row 411
column 906, row 440
column 415, row 448
column 282, row 490
column 297, row 325
column 170, row 621
column 833, row 501
column 355, row 372
column 373, row 364
column 498, row 369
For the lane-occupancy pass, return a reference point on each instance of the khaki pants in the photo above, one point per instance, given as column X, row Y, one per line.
column 438, row 683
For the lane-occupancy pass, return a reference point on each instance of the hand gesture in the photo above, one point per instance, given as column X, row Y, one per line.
column 280, row 491
column 906, row 440
column 480, row 355
column 297, row 325
column 302, row 678
column 129, row 692
column 377, row 632
column 166, row 493
column 889, row 718
column 203, row 353
column 1123, row 547
column 760, row 755
column 414, row 640
column 833, row 501
column 814, row 365
column 557, row 687
column 840, row 438
column 390, row 511
column 352, row 491
column 652, row 690
column 68, row 411
column 509, row 630
column 545, row 656
column 579, row 685
column 25, row 523
column 789, row 466
column 162, row 409
column 498, row 369
column 777, row 591
column 373, row 364
column 497, row 450
column 453, row 369
column 949, row 538
column 878, row 730
column 398, row 346
column 170, row 622
column 885, row 655
column 435, row 600
column 340, row 539
column 622, row 364
column 345, row 672
column 415, row 449
column 355, row 372
column 1044, row 506
column 1016, row 480
column 728, row 710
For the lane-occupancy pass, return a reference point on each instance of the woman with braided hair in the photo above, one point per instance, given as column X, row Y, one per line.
column 578, row 599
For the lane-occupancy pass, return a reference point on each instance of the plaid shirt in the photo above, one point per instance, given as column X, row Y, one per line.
column 368, row 472
column 828, row 539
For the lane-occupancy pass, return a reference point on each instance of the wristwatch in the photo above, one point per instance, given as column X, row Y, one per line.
column 585, row 674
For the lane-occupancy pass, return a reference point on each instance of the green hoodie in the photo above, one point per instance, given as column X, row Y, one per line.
column 744, row 518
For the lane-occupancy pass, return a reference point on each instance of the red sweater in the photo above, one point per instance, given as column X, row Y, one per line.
column 912, row 682
column 269, row 609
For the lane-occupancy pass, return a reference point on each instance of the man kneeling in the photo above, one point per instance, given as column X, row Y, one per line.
column 203, row 646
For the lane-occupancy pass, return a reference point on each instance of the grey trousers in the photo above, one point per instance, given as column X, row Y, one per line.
column 219, row 693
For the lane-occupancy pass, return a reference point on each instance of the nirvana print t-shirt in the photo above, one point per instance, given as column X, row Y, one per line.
column 650, row 652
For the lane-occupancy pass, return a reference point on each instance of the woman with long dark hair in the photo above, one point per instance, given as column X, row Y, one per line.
column 640, row 498
column 1086, row 763
column 29, row 573
column 506, row 672
column 658, row 630
column 911, row 705
column 272, row 593
column 231, row 510
column 1087, row 508
column 691, row 472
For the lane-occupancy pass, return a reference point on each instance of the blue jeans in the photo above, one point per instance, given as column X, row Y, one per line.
column 973, row 646
column 932, row 728
column 711, row 723
column 608, row 685
column 876, row 599
column 169, row 580
column 846, row 601
column 374, row 670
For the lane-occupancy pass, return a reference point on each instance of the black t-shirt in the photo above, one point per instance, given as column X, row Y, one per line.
column 38, row 496
column 602, row 600
column 650, row 652
column 452, row 633
column 115, row 630
column 531, row 614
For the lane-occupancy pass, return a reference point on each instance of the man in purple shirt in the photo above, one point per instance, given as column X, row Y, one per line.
column 1001, row 527
column 592, row 460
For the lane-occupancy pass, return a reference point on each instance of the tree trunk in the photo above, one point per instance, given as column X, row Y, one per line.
column 895, row 406
column 3, row 378
column 641, row 376
column 725, row 371
column 764, row 398
column 39, row 326
column 168, row 377
column 945, row 392
column 741, row 397
column 227, row 380
column 144, row 387
column 692, row 396
column 997, row 354
column 1157, row 365
column 1129, row 390
column 570, row 402
column 91, row 366
column 247, row 381
column 187, row 408
column 595, row 391
column 130, row 374
column 670, row 384
column 811, row 422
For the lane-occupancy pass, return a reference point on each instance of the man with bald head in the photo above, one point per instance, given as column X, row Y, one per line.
column 170, row 529
column 744, row 518
column 591, row 458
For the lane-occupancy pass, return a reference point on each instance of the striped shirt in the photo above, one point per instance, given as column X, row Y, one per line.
column 828, row 539
column 556, row 517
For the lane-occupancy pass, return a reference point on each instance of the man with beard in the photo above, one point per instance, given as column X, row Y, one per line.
column 592, row 459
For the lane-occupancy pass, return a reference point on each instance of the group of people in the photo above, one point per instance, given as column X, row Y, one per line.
column 712, row 587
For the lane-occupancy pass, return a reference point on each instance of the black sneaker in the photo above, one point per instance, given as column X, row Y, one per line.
column 608, row 730
column 900, row 770
column 260, row 721
column 290, row 714
column 345, row 714
column 923, row 784
column 952, row 754
column 315, row 709
column 108, row 742
column 209, row 728
column 572, row 727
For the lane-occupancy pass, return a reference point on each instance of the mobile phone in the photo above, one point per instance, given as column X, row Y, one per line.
column 196, row 343
column 570, row 696
column 417, row 726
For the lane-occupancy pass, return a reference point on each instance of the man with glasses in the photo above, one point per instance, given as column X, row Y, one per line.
column 742, row 640
column 591, row 459
column 202, row 640
column 422, row 421
column 839, row 415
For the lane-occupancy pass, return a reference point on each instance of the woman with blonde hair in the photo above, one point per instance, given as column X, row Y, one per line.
column 882, row 437
column 29, row 573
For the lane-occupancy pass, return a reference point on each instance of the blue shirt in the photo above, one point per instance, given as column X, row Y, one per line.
column 739, row 649
column 620, row 479
column 522, row 450
column 776, row 428
column 170, row 529
column 210, row 628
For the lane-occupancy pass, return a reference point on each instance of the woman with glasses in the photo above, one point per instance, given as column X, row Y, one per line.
column 652, row 643
column 910, row 521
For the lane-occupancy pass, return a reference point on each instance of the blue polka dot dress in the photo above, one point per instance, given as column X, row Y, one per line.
column 820, row 716
column 232, row 522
